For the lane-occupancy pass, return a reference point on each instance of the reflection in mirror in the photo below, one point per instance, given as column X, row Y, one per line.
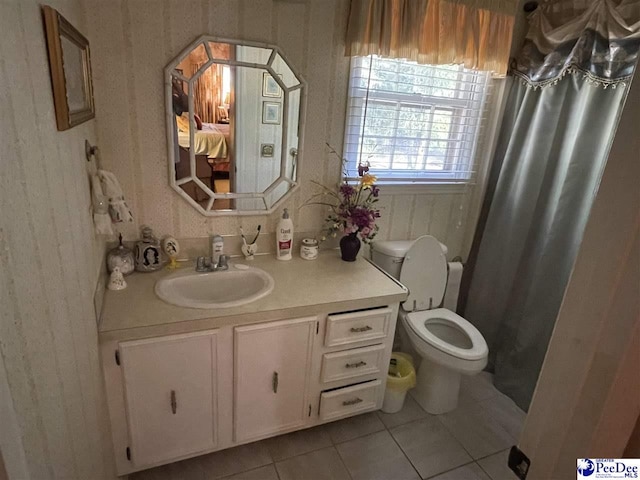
column 235, row 120
column 286, row 74
column 190, row 65
column 253, row 55
column 210, row 150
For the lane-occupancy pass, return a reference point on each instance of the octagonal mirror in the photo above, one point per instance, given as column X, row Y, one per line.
column 235, row 123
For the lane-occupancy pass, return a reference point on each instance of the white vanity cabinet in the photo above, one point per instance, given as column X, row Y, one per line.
column 272, row 363
column 170, row 396
column 175, row 396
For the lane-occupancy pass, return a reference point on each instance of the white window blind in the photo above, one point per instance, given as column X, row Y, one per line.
column 415, row 123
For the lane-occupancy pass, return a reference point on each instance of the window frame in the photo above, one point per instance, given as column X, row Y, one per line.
column 468, row 137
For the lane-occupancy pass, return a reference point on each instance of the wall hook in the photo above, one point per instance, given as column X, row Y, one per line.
column 92, row 151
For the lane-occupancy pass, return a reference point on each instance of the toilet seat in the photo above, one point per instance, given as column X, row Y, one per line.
column 419, row 321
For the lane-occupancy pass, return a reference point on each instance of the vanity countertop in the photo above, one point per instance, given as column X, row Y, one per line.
column 302, row 288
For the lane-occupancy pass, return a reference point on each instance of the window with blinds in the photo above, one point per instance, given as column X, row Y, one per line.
column 414, row 123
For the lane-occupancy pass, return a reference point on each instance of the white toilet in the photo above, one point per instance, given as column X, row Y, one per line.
column 448, row 344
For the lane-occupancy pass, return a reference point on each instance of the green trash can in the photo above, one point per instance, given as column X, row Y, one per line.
column 400, row 379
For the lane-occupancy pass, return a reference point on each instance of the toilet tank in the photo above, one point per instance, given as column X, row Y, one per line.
column 389, row 254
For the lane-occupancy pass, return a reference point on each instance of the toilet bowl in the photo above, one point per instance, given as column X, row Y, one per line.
column 449, row 345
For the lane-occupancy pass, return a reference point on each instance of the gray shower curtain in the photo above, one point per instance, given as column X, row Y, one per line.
column 559, row 121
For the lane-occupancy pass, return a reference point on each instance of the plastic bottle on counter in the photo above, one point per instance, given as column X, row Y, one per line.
column 284, row 237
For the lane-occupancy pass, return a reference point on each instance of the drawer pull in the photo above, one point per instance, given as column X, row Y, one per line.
column 274, row 382
column 359, row 364
column 174, row 403
column 366, row 328
column 355, row 401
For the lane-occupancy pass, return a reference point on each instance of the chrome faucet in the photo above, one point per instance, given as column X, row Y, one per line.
column 204, row 264
column 217, row 261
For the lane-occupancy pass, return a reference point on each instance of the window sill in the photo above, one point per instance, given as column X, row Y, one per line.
column 423, row 188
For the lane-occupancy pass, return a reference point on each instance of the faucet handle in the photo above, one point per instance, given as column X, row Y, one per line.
column 223, row 262
column 200, row 264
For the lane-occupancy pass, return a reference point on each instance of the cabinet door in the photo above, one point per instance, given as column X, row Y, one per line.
column 170, row 394
column 271, row 368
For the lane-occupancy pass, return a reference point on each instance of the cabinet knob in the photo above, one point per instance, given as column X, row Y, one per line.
column 274, row 382
column 355, row 401
column 174, row 403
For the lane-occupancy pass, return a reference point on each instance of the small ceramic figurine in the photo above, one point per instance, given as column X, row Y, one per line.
column 116, row 280
column 148, row 252
column 172, row 248
column 121, row 257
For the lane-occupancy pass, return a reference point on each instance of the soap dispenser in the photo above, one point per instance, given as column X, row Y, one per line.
column 284, row 237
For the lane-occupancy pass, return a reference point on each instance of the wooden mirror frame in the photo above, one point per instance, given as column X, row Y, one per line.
column 56, row 27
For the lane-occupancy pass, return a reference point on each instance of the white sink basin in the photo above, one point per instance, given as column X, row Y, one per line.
column 230, row 288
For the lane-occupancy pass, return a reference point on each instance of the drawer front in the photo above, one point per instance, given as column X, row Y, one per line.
column 348, row 401
column 354, row 327
column 351, row 363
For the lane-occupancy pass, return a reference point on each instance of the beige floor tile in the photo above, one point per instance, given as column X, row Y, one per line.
column 376, row 457
column 496, row 466
column 267, row 472
column 297, row 443
column 235, row 460
column 430, row 447
column 478, row 432
column 476, row 388
column 506, row 413
column 152, row 474
column 410, row 411
column 158, row 473
column 322, row 464
column 354, row 427
column 190, row 469
column 471, row 471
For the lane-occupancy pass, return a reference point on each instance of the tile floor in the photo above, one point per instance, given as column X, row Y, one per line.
column 470, row 443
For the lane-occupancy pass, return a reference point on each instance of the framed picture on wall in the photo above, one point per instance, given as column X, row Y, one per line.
column 70, row 65
column 270, row 87
column 271, row 113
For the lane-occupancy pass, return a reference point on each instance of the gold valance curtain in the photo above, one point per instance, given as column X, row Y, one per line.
column 476, row 33
column 207, row 93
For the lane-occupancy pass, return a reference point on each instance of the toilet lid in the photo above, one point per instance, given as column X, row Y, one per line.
column 424, row 273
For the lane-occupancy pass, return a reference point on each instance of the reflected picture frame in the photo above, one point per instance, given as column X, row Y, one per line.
column 270, row 87
column 271, row 113
column 70, row 67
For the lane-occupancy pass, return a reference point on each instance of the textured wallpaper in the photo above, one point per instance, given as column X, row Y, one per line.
column 133, row 41
column 49, row 264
